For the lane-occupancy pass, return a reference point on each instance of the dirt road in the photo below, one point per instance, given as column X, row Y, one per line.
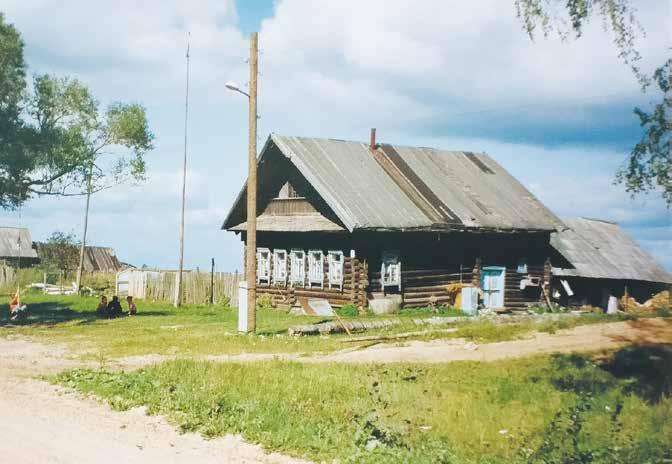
column 41, row 423
column 583, row 338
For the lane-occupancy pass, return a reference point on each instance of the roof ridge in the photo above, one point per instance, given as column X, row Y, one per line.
column 606, row 221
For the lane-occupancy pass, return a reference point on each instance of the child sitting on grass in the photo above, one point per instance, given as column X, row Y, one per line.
column 16, row 309
column 114, row 308
column 101, row 310
column 132, row 309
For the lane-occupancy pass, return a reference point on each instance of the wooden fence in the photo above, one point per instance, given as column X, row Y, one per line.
column 160, row 286
column 7, row 277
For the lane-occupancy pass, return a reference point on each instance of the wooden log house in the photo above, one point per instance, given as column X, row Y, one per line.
column 351, row 221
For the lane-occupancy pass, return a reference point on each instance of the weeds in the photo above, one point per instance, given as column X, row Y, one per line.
column 560, row 409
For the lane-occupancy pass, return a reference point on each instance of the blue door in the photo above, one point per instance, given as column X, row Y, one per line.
column 492, row 284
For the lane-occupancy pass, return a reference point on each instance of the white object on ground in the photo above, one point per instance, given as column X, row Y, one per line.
column 242, row 307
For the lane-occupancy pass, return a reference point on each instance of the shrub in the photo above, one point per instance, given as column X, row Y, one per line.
column 99, row 283
column 348, row 310
column 264, row 302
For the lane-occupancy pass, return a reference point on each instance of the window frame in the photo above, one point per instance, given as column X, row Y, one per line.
column 311, row 261
column 385, row 264
column 293, row 279
column 521, row 266
column 338, row 281
column 279, row 279
column 266, row 276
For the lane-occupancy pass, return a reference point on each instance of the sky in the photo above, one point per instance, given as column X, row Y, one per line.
column 452, row 74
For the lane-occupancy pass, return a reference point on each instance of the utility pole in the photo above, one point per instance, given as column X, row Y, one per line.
column 178, row 276
column 251, row 249
column 212, row 281
column 80, row 267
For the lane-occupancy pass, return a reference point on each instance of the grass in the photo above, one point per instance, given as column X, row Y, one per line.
column 558, row 409
column 199, row 330
column 158, row 328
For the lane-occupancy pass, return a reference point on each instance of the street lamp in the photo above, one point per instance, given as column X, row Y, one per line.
column 234, row 87
column 251, row 248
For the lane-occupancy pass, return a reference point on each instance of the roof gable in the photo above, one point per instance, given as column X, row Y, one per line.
column 406, row 188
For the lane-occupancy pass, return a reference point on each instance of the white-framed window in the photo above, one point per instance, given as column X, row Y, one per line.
column 390, row 270
column 263, row 265
column 522, row 266
column 335, row 260
column 298, row 267
column 315, row 268
column 279, row 266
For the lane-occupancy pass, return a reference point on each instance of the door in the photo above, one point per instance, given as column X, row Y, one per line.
column 492, row 283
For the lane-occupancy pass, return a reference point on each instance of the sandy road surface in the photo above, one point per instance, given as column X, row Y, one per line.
column 41, row 423
column 582, row 338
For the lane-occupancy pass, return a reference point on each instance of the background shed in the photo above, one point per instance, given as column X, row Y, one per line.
column 101, row 259
column 16, row 245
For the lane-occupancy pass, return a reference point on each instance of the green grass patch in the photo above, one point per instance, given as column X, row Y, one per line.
column 194, row 330
column 559, row 409
column 158, row 328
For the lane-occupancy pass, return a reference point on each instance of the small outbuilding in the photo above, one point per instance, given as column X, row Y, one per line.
column 101, row 259
column 596, row 259
column 16, row 247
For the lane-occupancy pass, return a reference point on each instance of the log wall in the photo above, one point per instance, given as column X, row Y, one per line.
column 515, row 298
column 430, row 262
column 353, row 290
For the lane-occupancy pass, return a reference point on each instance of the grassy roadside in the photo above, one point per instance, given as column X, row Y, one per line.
column 554, row 409
column 199, row 330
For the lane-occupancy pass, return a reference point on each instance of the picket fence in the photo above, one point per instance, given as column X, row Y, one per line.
column 155, row 285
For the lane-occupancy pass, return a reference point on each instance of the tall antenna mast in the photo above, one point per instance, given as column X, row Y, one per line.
column 178, row 277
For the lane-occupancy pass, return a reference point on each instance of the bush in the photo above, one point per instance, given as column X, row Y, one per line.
column 264, row 302
column 348, row 310
column 100, row 283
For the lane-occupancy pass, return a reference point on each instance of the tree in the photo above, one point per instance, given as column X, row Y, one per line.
column 60, row 252
column 58, row 140
column 649, row 166
column 650, row 162
column 12, row 133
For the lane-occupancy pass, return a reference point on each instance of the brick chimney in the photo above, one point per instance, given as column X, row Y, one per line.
column 372, row 143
